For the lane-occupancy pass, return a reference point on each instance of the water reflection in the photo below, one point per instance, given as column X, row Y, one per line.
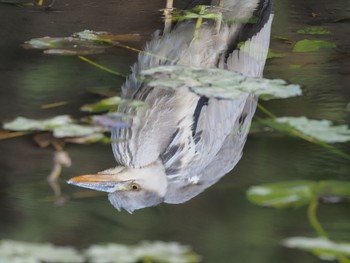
column 183, row 143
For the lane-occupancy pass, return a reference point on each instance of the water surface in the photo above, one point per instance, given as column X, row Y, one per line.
column 219, row 224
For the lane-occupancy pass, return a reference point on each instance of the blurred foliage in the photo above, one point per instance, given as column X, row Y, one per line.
column 149, row 252
column 61, row 126
column 314, row 30
column 323, row 248
column 308, row 45
column 298, row 193
column 86, row 42
column 218, row 83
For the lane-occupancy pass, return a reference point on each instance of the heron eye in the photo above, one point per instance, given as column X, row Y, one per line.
column 135, row 187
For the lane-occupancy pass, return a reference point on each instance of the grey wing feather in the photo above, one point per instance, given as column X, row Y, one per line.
column 219, row 150
column 227, row 157
column 250, row 58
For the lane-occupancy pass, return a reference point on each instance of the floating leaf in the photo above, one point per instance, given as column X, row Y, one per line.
column 111, row 104
column 61, row 126
column 321, row 247
column 81, row 43
column 25, row 124
column 16, row 251
column 307, row 45
column 158, row 251
column 93, row 138
column 282, row 195
column 169, row 252
column 106, row 37
column 76, row 130
column 271, row 55
column 218, row 83
column 321, row 130
column 314, row 30
column 298, row 193
column 332, row 191
column 66, row 45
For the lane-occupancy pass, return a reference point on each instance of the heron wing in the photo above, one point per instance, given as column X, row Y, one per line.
column 204, row 173
column 223, row 125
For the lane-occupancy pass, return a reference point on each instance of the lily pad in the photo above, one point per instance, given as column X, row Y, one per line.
column 163, row 252
column 308, row 45
column 332, row 191
column 82, row 43
column 323, row 248
column 76, row 130
column 298, row 193
column 322, row 130
column 16, row 251
column 218, row 83
column 106, row 37
column 169, row 252
column 314, row 30
column 66, row 45
column 61, row 126
column 282, row 195
column 25, row 124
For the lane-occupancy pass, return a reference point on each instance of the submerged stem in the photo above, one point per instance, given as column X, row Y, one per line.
column 101, row 67
column 266, row 111
column 312, row 216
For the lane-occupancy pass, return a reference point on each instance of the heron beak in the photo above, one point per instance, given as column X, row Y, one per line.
column 100, row 182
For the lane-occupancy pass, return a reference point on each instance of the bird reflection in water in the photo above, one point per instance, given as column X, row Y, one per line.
column 183, row 143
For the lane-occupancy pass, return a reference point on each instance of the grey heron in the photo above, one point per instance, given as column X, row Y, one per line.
column 184, row 143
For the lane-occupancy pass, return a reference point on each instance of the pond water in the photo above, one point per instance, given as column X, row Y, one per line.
column 220, row 224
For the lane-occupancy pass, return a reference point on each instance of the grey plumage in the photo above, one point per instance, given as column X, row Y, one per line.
column 193, row 146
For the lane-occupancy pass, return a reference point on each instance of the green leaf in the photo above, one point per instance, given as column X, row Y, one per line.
column 111, row 104
column 322, row 130
column 298, row 193
column 170, row 252
column 25, row 124
column 66, row 45
column 218, row 83
column 282, row 195
column 76, row 130
column 16, row 251
column 321, row 247
column 162, row 252
column 81, row 43
column 314, row 30
column 332, row 191
column 272, row 54
column 307, row 45
column 106, row 37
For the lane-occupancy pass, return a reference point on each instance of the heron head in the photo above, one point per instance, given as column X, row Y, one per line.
column 128, row 188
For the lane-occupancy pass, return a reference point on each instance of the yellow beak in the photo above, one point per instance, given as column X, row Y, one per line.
column 99, row 182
